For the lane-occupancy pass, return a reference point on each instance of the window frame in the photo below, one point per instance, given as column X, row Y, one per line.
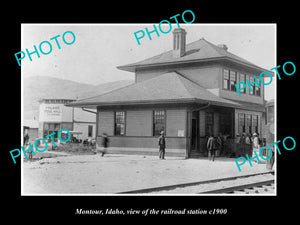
column 242, row 116
column 225, row 123
column 207, row 114
column 232, row 87
column 119, row 123
column 255, row 89
column 156, row 133
column 255, row 118
column 243, row 91
column 249, row 123
column 90, row 130
column 227, row 80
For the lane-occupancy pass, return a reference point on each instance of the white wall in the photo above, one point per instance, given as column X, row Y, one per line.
column 83, row 127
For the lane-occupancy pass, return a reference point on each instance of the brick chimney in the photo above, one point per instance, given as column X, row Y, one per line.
column 178, row 42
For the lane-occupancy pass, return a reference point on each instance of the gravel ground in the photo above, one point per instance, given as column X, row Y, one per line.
column 93, row 174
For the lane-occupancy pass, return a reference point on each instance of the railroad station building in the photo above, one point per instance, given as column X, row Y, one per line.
column 188, row 92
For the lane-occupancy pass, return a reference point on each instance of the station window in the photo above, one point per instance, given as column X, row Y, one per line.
column 241, row 122
column 225, row 123
column 120, row 123
column 242, row 79
column 90, row 130
column 226, row 79
column 232, row 80
column 209, row 123
column 229, row 79
column 257, row 90
column 159, row 121
column 249, row 123
column 255, row 123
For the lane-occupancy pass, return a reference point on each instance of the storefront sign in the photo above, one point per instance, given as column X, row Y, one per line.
column 51, row 112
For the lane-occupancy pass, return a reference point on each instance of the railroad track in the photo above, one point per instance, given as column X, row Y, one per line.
column 263, row 187
column 259, row 183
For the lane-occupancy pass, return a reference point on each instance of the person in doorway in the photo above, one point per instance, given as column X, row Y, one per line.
column 105, row 142
column 162, row 145
column 211, row 146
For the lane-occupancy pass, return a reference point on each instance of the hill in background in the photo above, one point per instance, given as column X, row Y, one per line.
column 39, row 87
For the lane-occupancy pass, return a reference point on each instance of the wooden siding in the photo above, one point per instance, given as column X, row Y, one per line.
column 176, row 120
column 139, row 123
column 105, row 122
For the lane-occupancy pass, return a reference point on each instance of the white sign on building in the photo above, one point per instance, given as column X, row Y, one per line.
column 51, row 112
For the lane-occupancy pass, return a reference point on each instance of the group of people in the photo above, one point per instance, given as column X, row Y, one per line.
column 248, row 139
column 213, row 144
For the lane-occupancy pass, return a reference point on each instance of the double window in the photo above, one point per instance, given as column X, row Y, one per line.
column 229, row 79
column 159, row 122
column 248, row 123
column 254, row 90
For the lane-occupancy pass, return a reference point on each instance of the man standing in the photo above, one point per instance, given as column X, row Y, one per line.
column 105, row 142
column 211, row 146
column 162, row 145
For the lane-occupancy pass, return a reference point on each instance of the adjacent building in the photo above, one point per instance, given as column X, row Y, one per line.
column 31, row 128
column 188, row 92
column 54, row 115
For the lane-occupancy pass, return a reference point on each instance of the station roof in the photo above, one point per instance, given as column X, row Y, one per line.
column 171, row 87
column 197, row 51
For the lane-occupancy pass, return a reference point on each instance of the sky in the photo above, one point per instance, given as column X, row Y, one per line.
column 99, row 48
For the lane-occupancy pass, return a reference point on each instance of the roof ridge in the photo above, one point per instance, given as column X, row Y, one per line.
column 186, row 77
column 182, row 75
